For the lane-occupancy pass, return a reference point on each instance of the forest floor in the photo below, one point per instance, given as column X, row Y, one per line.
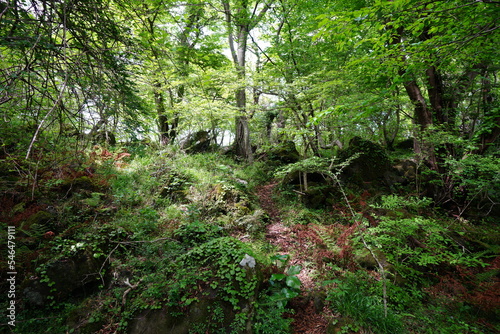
column 143, row 204
column 296, row 243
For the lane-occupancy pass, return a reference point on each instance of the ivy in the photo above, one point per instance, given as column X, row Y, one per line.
column 217, row 262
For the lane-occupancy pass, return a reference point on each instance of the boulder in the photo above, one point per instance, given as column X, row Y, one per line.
column 199, row 318
column 41, row 217
column 79, row 274
column 406, row 169
column 197, row 142
column 284, row 152
column 235, row 278
column 78, row 319
column 369, row 168
column 366, row 260
column 406, row 144
column 315, row 189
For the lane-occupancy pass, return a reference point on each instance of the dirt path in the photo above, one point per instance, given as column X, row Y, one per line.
column 294, row 241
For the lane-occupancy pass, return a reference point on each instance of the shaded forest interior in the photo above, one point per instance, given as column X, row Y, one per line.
column 229, row 166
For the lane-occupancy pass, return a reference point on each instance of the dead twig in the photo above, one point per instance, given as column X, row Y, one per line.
column 131, row 287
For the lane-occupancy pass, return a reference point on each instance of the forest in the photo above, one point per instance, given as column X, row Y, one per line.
column 250, row 166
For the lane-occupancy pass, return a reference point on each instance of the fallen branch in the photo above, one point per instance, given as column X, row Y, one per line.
column 104, row 263
column 131, row 287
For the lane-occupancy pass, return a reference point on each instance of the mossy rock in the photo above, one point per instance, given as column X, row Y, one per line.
column 227, row 199
column 319, row 196
column 225, row 281
column 406, row 169
column 174, row 186
column 297, row 178
column 284, row 152
column 223, row 257
column 319, row 188
column 199, row 317
column 407, row 144
column 70, row 186
column 366, row 260
column 370, row 167
column 80, row 319
column 198, row 142
column 40, row 218
column 79, row 274
column 253, row 223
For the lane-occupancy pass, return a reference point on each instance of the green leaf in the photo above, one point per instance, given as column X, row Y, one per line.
column 280, row 257
column 277, row 277
column 293, row 282
column 289, row 294
column 294, row 270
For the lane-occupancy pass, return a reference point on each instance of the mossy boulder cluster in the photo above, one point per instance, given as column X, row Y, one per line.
column 226, row 282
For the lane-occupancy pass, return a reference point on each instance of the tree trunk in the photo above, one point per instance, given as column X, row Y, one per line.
column 163, row 125
column 389, row 138
column 442, row 106
column 242, row 144
column 423, row 119
column 491, row 116
column 244, row 22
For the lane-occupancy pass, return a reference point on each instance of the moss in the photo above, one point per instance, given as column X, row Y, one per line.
column 84, row 319
column 40, row 218
column 70, row 186
column 204, row 316
column 371, row 164
column 285, row 152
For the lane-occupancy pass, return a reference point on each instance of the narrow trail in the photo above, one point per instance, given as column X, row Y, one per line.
column 277, row 233
column 288, row 240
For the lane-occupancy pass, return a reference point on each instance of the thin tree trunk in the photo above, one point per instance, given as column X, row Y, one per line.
column 163, row 125
column 488, row 100
column 244, row 22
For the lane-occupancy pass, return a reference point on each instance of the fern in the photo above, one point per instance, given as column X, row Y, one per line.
column 328, row 239
column 35, row 231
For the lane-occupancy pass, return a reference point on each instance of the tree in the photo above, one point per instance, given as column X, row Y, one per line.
column 443, row 55
column 173, row 44
column 63, row 67
column 304, row 75
column 240, row 21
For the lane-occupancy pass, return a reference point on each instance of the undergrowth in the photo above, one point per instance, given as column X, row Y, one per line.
column 172, row 232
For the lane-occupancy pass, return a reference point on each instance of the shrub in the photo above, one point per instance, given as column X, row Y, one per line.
column 352, row 298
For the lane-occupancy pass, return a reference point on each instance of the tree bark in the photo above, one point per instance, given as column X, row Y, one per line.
column 423, row 118
column 441, row 106
column 242, row 144
column 167, row 132
column 244, row 22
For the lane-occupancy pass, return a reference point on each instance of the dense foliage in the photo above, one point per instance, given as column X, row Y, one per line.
column 247, row 166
